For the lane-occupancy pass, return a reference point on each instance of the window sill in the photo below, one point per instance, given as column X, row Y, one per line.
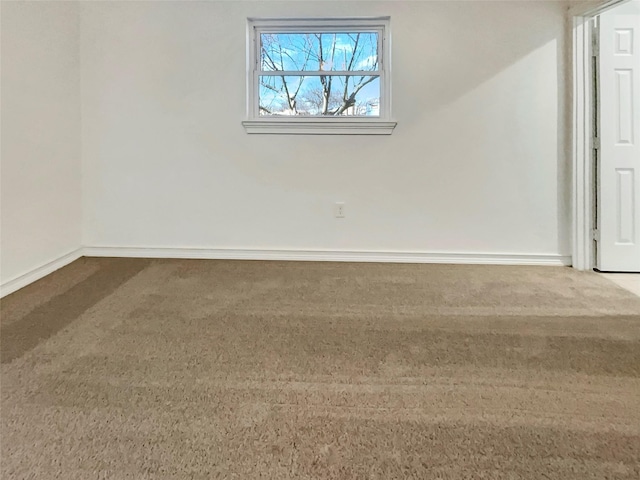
column 312, row 126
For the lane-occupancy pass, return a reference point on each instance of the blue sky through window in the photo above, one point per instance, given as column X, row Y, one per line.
column 339, row 92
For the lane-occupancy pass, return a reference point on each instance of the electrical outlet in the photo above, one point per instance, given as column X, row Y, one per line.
column 338, row 210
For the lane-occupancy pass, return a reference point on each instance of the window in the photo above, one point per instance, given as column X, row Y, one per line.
column 329, row 76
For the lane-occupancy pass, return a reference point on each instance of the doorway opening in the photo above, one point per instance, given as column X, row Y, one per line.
column 606, row 137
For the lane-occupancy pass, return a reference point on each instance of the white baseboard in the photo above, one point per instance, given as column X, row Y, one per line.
column 331, row 256
column 37, row 273
column 291, row 255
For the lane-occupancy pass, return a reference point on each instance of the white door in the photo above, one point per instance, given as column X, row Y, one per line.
column 618, row 248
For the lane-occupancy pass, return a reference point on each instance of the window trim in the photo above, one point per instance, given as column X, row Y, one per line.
column 310, row 125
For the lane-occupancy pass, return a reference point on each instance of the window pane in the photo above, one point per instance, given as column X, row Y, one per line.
column 319, row 51
column 298, row 95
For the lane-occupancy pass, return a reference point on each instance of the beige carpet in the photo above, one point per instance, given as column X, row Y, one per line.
column 181, row 369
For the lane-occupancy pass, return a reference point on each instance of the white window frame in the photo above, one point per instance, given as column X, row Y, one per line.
column 312, row 125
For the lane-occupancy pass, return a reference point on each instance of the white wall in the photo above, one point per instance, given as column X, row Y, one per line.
column 631, row 7
column 476, row 164
column 40, row 169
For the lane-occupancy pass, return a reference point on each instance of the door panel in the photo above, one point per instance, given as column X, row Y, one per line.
column 619, row 186
column 623, row 101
